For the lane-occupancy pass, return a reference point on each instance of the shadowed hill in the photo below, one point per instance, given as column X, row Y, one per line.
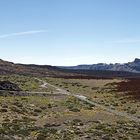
column 33, row 70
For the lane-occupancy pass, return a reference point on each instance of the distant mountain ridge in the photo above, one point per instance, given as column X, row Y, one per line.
column 133, row 67
column 128, row 70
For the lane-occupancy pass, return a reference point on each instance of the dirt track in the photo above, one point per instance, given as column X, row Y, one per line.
column 85, row 99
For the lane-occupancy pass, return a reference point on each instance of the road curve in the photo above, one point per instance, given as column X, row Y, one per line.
column 85, row 99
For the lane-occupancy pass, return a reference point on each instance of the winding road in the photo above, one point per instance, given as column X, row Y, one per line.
column 60, row 91
column 85, row 99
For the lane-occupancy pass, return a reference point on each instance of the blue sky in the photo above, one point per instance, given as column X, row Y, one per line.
column 69, row 32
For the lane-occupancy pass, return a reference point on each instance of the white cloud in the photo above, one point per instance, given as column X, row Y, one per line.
column 22, row 33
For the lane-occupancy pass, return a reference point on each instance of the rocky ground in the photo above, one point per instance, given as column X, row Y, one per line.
column 58, row 116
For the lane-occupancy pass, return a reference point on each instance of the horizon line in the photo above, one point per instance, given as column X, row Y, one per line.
column 12, row 61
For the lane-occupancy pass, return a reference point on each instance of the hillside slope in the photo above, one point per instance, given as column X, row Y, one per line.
column 33, row 70
column 7, row 68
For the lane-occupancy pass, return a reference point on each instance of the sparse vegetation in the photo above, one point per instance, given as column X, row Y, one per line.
column 65, row 117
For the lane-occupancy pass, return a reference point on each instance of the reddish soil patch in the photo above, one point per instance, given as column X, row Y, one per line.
column 130, row 87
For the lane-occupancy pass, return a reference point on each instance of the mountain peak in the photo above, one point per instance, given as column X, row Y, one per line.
column 137, row 60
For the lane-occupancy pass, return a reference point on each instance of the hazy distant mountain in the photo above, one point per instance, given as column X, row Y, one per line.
column 128, row 67
column 128, row 70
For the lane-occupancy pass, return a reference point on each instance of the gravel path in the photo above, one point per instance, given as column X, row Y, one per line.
column 85, row 99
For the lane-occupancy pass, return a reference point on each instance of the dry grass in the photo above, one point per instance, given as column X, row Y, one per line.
column 65, row 117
